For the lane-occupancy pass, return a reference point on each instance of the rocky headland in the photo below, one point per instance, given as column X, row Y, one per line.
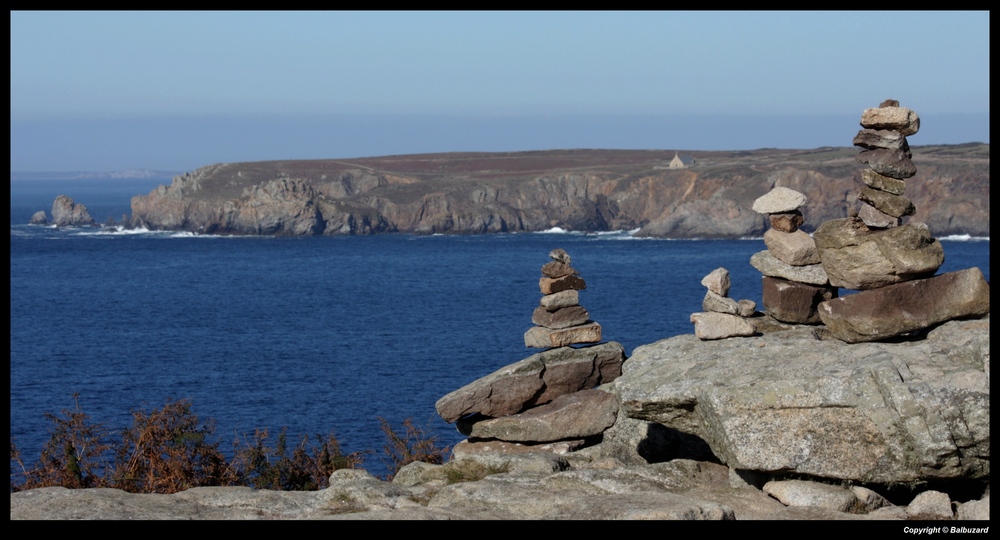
column 581, row 190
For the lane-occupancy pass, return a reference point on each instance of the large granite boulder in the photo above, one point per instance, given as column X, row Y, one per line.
column 856, row 257
column 789, row 402
column 66, row 213
column 889, row 311
column 535, row 380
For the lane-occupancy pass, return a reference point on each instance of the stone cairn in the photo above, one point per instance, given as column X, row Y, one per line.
column 560, row 319
column 892, row 264
column 722, row 316
column 546, row 402
column 794, row 281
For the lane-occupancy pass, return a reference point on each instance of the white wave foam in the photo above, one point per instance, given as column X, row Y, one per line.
column 965, row 238
column 557, row 230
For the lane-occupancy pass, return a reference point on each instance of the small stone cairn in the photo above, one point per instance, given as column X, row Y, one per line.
column 547, row 402
column 794, row 281
column 892, row 264
column 722, row 316
column 560, row 319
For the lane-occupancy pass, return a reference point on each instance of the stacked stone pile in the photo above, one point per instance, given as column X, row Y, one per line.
column 794, row 281
column 548, row 401
column 891, row 263
column 722, row 316
column 560, row 319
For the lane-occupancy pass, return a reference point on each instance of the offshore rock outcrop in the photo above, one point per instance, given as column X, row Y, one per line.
column 583, row 190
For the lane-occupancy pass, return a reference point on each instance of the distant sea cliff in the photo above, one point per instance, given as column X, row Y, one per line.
column 581, row 190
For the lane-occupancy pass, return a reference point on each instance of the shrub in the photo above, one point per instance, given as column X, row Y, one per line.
column 75, row 456
column 414, row 444
column 167, row 450
column 307, row 468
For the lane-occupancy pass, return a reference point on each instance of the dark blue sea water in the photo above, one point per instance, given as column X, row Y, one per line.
column 316, row 334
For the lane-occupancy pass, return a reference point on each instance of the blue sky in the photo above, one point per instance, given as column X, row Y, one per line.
column 177, row 90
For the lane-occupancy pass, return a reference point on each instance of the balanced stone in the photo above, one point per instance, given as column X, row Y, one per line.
column 893, row 163
column 769, row 265
column 786, row 221
column 859, row 258
column 887, row 203
column 876, row 219
column 540, row 337
column 554, row 285
column 779, row 200
column 719, row 304
column 795, row 248
column 708, row 326
column 747, row 308
column 560, row 318
column 560, row 255
column 900, row 119
column 793, row 302
column 881, row 138
column 883, row 183
column 905, row 307
column 717, row 281
column 557, row 269
column 560, row 300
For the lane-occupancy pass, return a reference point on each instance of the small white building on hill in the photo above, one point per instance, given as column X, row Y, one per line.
column 680, row 162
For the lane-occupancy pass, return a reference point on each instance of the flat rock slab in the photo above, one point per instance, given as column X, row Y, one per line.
column 535, row 380
column 711, row 325
column 769, row 265
column 778, row 201
column 890, row 311
column 560, row 318
column 789, row 402
column 580, row 414
column 539, row 337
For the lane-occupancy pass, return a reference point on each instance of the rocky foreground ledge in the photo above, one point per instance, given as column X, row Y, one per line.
column 784, row 425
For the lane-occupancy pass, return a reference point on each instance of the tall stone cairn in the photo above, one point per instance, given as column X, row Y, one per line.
column 794, row 281
column 891, row 263
column 560, row 319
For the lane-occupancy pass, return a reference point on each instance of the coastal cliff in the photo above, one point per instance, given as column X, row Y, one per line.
column 581, row 190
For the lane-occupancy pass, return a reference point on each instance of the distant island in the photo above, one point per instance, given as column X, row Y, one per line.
column 580, row 190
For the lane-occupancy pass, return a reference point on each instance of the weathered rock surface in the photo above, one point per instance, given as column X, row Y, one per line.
column 564, row 283
column 586, row 190
column 856, row 257
column 787, row 401
column 535, row 380
column 787, row 221
column 892, row 163
column 577, row 415
column 66, row 213
column 893, row 310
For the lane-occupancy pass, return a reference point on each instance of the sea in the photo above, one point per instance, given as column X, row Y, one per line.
column 317, row 335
